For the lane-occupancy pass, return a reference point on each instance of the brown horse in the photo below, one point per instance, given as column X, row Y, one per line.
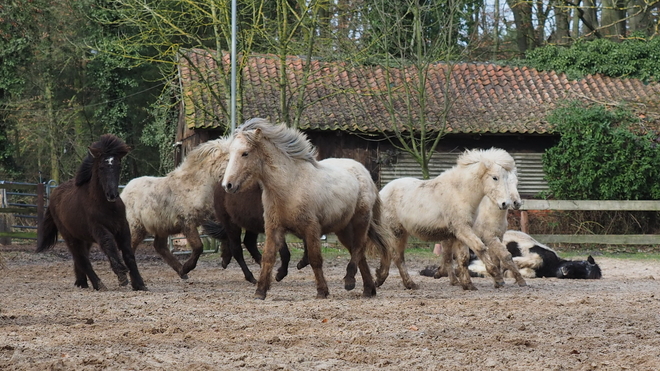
column 89, row 210
column 308, row 198
column 236, row 212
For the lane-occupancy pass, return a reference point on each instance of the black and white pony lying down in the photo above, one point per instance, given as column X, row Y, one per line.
column 534, row 259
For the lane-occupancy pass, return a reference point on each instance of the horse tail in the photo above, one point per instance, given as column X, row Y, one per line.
column 48, row 236
column 378, row 234
column 214, row 229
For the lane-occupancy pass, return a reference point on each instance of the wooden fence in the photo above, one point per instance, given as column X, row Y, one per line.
column 20, row 201
column 610, row 239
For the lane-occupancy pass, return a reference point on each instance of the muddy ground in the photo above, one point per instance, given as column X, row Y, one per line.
column 212, row 322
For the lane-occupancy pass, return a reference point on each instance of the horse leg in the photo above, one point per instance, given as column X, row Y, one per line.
column 304, row 261
column 137, row 236
column 225, row 253
column 347, row 238
column 250, row 242
column 313, row 243
column 160, row 244
column 493, row 270
column 274, row 238
column 506, row 261
column 462, row 255
column 234, row 236
column 83, row 267
column 285, row 257
column 400, row 262
column 465, row 234
column 108, row 245
column 124, row 243
column 446, row 267
column 192, row 236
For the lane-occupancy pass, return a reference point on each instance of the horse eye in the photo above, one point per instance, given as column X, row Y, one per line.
column 495, row 178
column 244, row 154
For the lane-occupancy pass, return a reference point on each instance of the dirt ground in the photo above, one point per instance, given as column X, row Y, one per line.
column 212, row 322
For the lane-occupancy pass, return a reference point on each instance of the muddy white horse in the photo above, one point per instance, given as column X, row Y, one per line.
column 306, row 197
column 490, row 225
column 177, row 203
column 444, row 208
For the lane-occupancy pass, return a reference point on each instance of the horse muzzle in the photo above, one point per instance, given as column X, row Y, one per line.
column 230, row 187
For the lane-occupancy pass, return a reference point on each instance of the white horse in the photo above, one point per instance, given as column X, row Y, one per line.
column 306, row 197
column 490, row 225
column 176, row 203
column 444, row 208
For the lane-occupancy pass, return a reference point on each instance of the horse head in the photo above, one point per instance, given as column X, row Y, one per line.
column 516, row 201
column 582, row 269
column 244, row 160
column 496, row 186
column 105, row 157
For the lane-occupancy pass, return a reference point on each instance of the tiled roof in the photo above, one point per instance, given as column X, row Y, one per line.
column 486, row 98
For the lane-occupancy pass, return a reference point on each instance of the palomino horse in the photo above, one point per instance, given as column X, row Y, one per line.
column 444, row 208
column 177, row 203
column 306, row 197
column 89, row 210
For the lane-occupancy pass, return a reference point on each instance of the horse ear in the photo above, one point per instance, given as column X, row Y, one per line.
column 94, row 152
column 591, row 260
column 257, row 134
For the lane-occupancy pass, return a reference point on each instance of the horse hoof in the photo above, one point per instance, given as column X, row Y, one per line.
column 499, row 284
column 301, row 265
column 322, row 295
column 412, row 286
column 349, row 285
column 260, row 295
column 252, row 280
column 470, row 288
column 522, row 283
column 184, row 276
column 123, row 281
column 369, row 292
column 280, row 276
column 140, row 288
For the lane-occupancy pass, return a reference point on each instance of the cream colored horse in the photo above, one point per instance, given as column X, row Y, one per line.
column 306, row 197
column 176, row 203
column 490, row 225
column 444, row 208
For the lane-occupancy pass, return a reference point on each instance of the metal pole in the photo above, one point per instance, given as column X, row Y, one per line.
column 233, row 65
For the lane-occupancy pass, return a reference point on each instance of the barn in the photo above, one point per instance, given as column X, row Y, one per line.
column 348, row 110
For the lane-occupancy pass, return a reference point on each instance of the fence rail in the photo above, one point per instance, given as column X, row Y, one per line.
column 10, row 191
column 591, row 205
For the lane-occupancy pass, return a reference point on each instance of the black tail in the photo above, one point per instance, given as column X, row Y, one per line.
column 214, row 229
column 48, row 237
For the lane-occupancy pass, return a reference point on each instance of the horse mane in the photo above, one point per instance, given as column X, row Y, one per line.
column 204, row 157
column 107, row 145
column 492, row 155
column 292, row 142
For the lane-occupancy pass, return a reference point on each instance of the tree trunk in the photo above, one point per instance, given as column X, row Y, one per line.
column 614, row 19
column 522, row 16
column 562, row 34
column 639, row 15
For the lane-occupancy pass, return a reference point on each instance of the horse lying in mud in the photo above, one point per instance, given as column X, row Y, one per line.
column 533, row 259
